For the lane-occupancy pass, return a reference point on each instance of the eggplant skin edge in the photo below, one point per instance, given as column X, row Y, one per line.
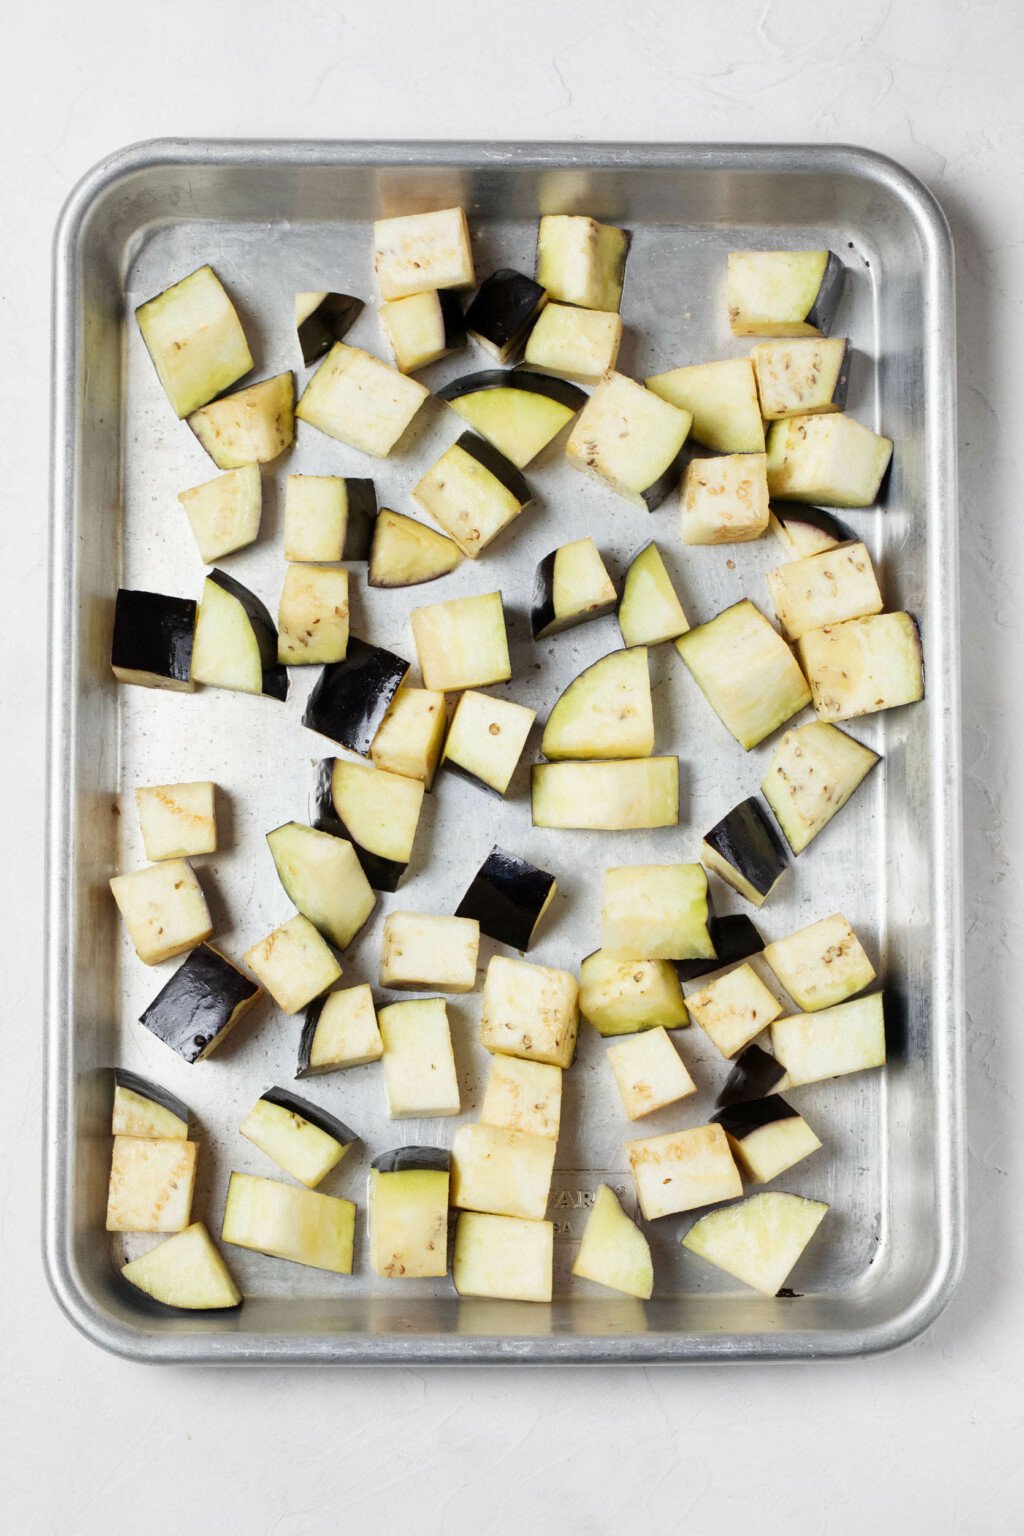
column 413, row 1160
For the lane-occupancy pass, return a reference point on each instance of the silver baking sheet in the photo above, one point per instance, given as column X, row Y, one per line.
column 274, row 218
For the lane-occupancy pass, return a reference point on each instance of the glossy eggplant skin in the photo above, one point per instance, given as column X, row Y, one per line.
column 154, row 633
column 310, row 1020
column 362, row 515
column 453, row 318
column 198, row 1003
column 823, row 311
column 351, row 697
column 755, row 1073
column 542, row 610
column 507, row 897
column 151, row 1091
column 496, row 463
column 504, row 306
column 735, row 938
column 275, row 677
column 547, row 384
column 324, row 1121
column 750, row 1115
column 746, row 840
column 413, row 1160
column 331, row 321
column 383, row 874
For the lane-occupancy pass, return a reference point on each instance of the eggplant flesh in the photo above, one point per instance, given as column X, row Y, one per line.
column 804, row 531
column 236, row 642
column 153, row 640
column 385, row 819
column 314, row 1113
column 744, row 849
column 351, row 697
column 201, row 1002
column 148, row 1093
column 323, row 322
column 571, row 586
column 504, row 309
column 508, row 898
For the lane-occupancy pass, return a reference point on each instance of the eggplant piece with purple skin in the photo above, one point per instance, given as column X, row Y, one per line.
column 734, row 938
column 300, row 1137
column 517, row 410
column 804, row 531
column 745, row 851
column 755, row 1074
column 505, row 307
column 321, row 319
column 571, row 586
column 236, row 641
column 351, row 697
column 767, row 1136
column 377, row 811
column 201, row 1003
column 142, row 1108
column 508, row 898
column 783, row 293
column 153, row 640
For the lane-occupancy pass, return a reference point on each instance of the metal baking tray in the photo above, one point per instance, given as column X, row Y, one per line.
column 277, row 217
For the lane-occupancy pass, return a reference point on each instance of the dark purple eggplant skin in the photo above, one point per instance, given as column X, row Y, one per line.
column 413, row 1160
column 351, row 697
column 735, row 938
column 813, row 517
column 826, row 301
column 453, row 319
column 362, row 516
column 666, row 482
column 755, row 1072
column 151, row 1091
column 275, row 677
column 310, row 1020
column 321, row 1118
column 751, row 1115
column 495, row 462
column 562, row 390
column 198, row 1003
column 544, row 620
column 504, row 308
column 507, row 897
column 383, row 874
column 747, row 841
column 842, row 384
column 154, row 633
column 331, row 321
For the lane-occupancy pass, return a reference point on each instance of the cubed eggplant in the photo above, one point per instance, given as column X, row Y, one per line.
column 236, row 641
column 224, row 513
column 339, row 1030
column 142, row 1108
column 850, row 1037
column 298, row 1136
column 734, row 937
column 321, row 319
column 508, row 898
column 783, row 293
column 351, row 697
column 827, row 588
column 505, row 1172
column 153, row 640
column 177, row 821
column 196, row 1010
column 746, row 671
column 571, row 586
column 519, row 412
column 649, row 1073
column 656, row 912
column 407, row 1209
column 863, row 665
column 580, row 261
column 328, row 518
column 312, row 616
column 424, row 951
column 523, row 1096
column 152, row 1180
column 607, row 797
column 287, row 1222
column 628, row 438
column 606, row 712
column 473, row 492
column 294, row 964
column 377, row 810
column 833, row 459
column 806, row 530
column 462, row 643
column 420, row 251
column 503, row 1256
column 419, row 1066
column 767, row 1136
column 814, row 771
column 734, row 1008
column 185, row 1272
column 163, row 908
column 683, row 1170
column 323, row 878
column 613, row 1251
column 411, row 735
column 808, row 376
column 422, row 328
column 722, row 400
column 724, row 500
column 530, row 1011
column 358, row 400
column 406, row 553
column 755, row 1073
column 581, row 344
column 486, row 739
column 760, row 1239
column 650, row 610
column 195, row 338
column 252, row 426
column 822, row 964
column 624, row 997
column 746, row 852
column 504, row 309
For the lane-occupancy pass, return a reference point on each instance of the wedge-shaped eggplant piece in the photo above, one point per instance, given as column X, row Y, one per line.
column 411, row 735
column 424, row 951
column 324, row 879
column 195, row 339
column 519, row 412
column 177, row 821
column 359, row 400
column 252, row 426
column 523, row 1096
column 473, row 492
column 682, row 1170
column 153, row 640
column 656, row 912
column 163, row 908
column 724, row 500
column 767, row 1136
column 328, row 518
column 575, row 343
column 733, row 1009
column 783, row 293
column 833, row 459
column 505, row 1172
column 339, row 1030
column 298, row 1136
column 236, row 641
column 422, row 328
column 755, row 1073
column 289, row 1223
column 827, row 588
column 505, row 307
column 746, row 671
column 721, row 398
column 607, row 797
column 200, row 1005
column 606, row 712
column 378, row 811
column 530, row 1011
column 508, row 898
column 580, row 261
column 746, row 852
column 186, row 1272
column 734, row 937
column 351, row 697
column 814, row 771
column 406, row 553
column 821, row 965
column 759, row 1240
column 613, row 1251
column 486, row 739
column 650, row 610
column 321, row 319
column 224, row 513
column 408, row 1214
column 805, row 377
column 832, row 1042
column 419, row 1065
column 419, row 251
column 806, row 531
column 462, row 643
column 864, row 665
column 142, row 1108
column 630, row 439
column 294, row 964
column 503, row 1256
column 312, row 616
column 622, row 997
column 572, row 586
column 151, row 1184
column 649, row 1073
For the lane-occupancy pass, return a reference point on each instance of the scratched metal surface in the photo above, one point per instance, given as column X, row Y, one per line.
column 276, row 219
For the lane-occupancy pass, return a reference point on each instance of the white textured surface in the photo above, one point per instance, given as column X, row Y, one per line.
column 927, row 1439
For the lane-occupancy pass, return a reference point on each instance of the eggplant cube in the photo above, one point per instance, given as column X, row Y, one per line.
column 783, row 293
column 151, row 1184
column 360, row 401
column 724, row 500
column 321, row 319
column 721, row 398
column 621, row 997
column 630, row 439
column 473, row 492
column 575, row 343
column 758, row 1240
column 826, row 588
column 406, row 553
column 746, row 852
column 294, row 964
column 650, row 610
column 224, row 513
column 486, row 738
column 606, row 712
column 649, row 1073
column 508, row 898
column 806, row 531
column 523, row 1096
column 613, row 1251
column 420, row 251
column 755, row 1073
column 580, row 261
column 746, row 671
column 298, row 1136
column 410, row 737
column 821, row 965
column 864, row 665
column 682, row 1170
column 252, row 426
column 195, row 338
column 187, row 1272
column 312, row 616
column 327, row 518
column 503, row 1256
column 814, row 771
column 323, row 877
column 607, row 797
column 422, row 328
column 847, row 1038
column 530, row 1011
column 164, row 910
column 572, row 586
column 419, row 950
column 804, row 377
column 515, row 410
column 734, row 937
column 656, row 912
column 462, row 643
column 153, row 640
column 196, row 1010
column 350, row 698
column 236, row 642
column 289, row 1223
column 379, row 811
column 506, row 305
column 734, row 1008
column 177, row 821
column 505, row 1172
column 419, row 1065
column 766, row 1137
column 143, row 1109
column 408, row 1214
column 339, row 1030
column 833, row 459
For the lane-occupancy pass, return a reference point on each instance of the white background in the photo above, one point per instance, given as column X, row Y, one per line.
column 927, row 1440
